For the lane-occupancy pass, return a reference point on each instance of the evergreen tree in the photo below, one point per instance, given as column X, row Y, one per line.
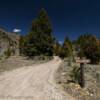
column 67, row 47
column 39, row 41
column 89, row 47
column 63, row 50
column 58, row 50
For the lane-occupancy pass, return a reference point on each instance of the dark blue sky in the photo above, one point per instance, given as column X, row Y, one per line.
column 69, row 17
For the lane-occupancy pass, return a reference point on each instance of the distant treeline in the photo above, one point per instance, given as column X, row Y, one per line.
column 40, row 41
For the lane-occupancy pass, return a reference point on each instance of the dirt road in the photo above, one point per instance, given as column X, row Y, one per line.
column 32, row 83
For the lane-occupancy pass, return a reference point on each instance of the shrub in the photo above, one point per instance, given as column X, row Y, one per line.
column 8, row 53
column 75, row 74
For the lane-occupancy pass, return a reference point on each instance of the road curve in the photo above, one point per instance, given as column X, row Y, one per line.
column 32, row 83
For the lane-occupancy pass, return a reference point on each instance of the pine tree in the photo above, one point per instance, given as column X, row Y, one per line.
column 89, row 47
column 40, row 40
column 67, row 47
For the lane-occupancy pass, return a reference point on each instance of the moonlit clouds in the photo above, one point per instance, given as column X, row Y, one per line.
column 16, row 30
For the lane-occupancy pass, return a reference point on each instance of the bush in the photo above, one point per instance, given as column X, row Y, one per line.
column 75, row 74
column 8, row 53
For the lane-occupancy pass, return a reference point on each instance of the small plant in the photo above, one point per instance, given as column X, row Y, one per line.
column 98, row 76
column 75, row 74
column 8, row 53
column 0, row 58
column 70, row 61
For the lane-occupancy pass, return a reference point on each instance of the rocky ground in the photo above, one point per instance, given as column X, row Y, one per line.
column 92, row 84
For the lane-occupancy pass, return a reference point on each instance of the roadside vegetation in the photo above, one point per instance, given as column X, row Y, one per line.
column 68, row 77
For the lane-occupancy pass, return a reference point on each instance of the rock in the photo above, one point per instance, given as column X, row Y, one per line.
column 63, row 73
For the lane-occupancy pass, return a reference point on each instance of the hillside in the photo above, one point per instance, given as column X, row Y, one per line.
column 8, row 43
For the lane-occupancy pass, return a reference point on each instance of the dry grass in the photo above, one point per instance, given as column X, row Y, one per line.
column 17, row 62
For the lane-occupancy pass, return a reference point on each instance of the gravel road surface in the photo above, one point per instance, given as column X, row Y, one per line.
column 32, row 83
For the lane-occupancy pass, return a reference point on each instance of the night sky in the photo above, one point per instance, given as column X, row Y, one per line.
column 69, row 17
